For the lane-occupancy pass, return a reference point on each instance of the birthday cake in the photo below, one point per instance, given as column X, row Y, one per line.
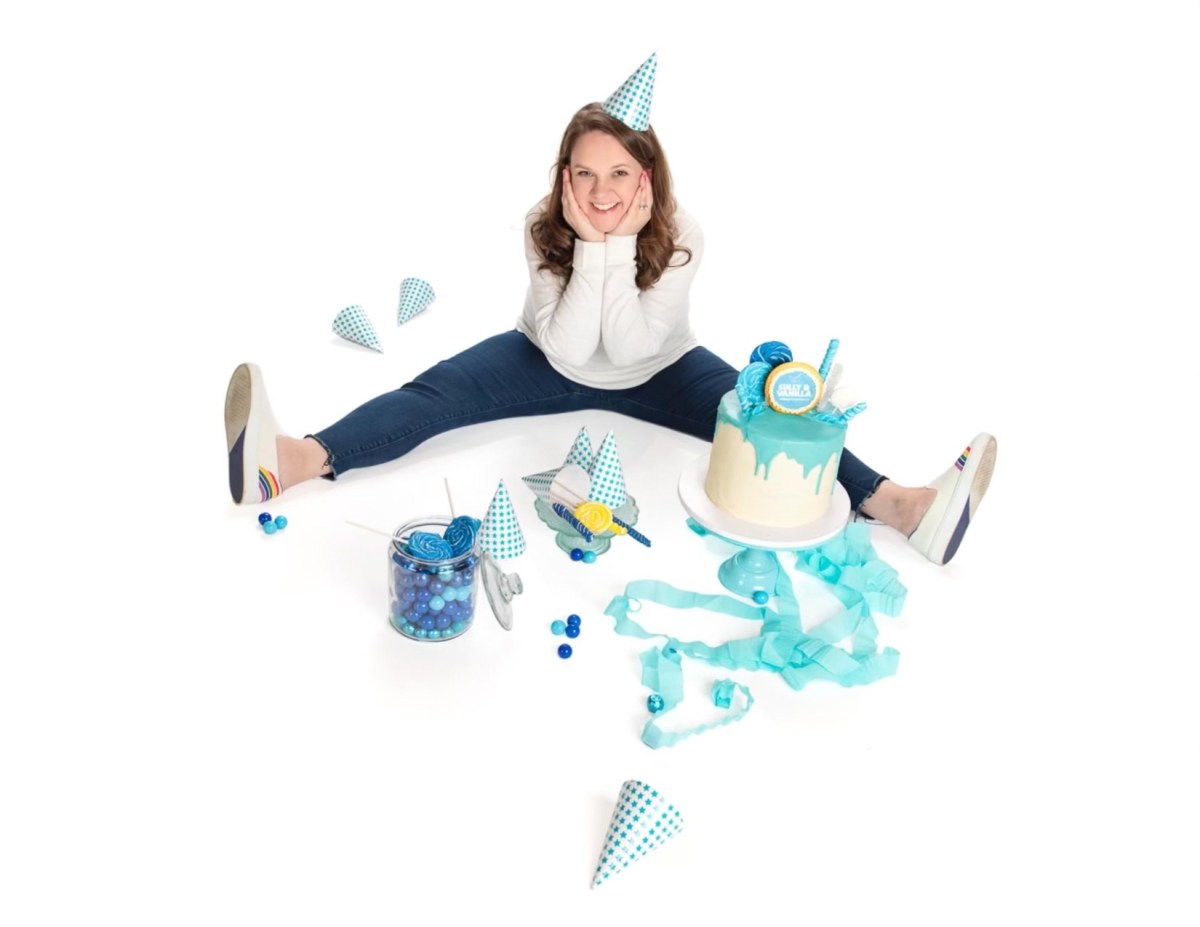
column 778, row 441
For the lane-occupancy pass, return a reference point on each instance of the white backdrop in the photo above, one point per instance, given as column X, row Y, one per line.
column 993, row 206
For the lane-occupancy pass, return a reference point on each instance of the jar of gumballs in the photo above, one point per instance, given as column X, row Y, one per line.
column 432, row 577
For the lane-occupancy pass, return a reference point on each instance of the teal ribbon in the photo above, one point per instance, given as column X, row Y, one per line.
column 860, row 581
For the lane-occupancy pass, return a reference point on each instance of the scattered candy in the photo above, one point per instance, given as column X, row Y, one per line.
column 574, row 620
column 655, row 703
column 760, row 597
column 280, row 522
column 576, row 554
column 564, row 650
column 558, row 627
column 269, row 527
column 589, row 556
column 264, row 517
column 572, row 630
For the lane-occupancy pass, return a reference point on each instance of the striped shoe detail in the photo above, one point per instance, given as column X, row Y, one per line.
column 268, row 484
column 962, row 458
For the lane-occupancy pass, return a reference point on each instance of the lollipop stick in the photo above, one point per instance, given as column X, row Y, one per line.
column 449, row 498
column 386, row 534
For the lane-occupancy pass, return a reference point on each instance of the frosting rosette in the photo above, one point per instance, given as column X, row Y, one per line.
column 425, row 545
column 771, row 352
column 751, row 387
column 460, row 534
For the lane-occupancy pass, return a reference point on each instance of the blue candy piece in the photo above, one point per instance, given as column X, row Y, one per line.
column 576, row 553
column 280, row 522
column 655, row 703
column 564, row 650
column 269, row 527
column 760, row 597
column 428, row 546
column 461, row 533
column 589, row 556
column 574, row 620
column 572, row 630
column 557, row 627
column 264, row 517
column 751, row 387
column 771, row 352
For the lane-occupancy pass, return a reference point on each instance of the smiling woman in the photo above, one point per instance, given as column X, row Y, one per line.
column 605, row 326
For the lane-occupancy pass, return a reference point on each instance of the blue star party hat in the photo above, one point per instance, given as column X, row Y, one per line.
column 630, row 103
column 643, row 820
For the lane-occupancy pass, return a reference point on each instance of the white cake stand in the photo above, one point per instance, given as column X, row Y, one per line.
column 752, row 571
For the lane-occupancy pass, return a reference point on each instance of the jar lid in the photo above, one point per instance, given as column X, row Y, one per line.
column 500, row 588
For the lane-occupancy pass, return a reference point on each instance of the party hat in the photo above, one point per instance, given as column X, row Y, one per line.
column 353, row 325
column 571, row 486
column 630, row 103
column 540, row 482
column 608, row 480
column 415, row 297
column 581, row 450
column 501, row 534
column 642, row 821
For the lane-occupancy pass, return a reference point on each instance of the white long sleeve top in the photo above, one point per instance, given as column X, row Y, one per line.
column 600, row 329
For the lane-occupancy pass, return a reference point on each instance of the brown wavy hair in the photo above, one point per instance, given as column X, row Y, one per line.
column 554, row 238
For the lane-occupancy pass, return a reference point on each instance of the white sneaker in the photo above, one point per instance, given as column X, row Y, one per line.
column 250, row 432
column 960, row 490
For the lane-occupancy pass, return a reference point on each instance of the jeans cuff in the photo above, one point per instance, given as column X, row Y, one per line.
column 332, row 474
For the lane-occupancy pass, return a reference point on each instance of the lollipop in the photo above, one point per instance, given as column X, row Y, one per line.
column 425, row 545
column 460, row 534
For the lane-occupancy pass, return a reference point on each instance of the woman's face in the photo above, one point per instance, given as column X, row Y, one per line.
column 604, row 179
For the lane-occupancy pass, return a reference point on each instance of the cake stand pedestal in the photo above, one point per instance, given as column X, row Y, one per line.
column 752, row 571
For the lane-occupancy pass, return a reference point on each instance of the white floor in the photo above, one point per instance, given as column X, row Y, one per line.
column 994, row 208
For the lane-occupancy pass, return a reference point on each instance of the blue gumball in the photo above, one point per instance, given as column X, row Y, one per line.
column 572, row 630
column 564, row 650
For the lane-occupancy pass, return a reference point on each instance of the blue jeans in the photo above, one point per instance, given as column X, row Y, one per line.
column 508, row 376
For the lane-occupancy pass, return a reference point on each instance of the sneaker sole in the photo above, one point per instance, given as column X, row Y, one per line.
column 249, row 484
column 968, row 494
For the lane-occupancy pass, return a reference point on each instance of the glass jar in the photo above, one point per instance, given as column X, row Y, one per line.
column 430, row 599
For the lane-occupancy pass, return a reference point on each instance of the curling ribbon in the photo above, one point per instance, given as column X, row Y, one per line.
column 857, row 578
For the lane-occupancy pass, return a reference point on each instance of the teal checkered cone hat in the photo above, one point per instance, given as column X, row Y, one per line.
column 630, row 102
column 501, row 535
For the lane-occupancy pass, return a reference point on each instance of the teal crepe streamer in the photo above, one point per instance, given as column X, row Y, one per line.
column 847, row 564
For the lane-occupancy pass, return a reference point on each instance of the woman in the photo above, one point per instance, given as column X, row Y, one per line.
column 605, row 326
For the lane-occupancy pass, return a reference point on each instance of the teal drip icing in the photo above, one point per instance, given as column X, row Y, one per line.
column 772, row 433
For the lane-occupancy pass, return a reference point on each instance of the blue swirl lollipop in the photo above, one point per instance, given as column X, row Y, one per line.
column 751, row 384
column 461, row 533
column 425, row 545
column 771, row 352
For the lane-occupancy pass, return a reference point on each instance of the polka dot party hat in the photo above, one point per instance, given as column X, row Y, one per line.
column 500, row 534
column 608, row 479
column 630, row 103
column 581, row 451
column 353, row 325
column 643, row 820
column 415, row 297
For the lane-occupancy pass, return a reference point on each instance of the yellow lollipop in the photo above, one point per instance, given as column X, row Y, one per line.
column 596, row 517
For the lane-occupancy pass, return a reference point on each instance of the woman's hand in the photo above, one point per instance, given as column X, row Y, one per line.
column 574, row 214
column 638, row 213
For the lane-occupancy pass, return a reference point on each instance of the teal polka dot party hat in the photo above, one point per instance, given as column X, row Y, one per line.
column 415, row 297
column 353, row 325
column 608, row 479
column 501, row 534
column 630, row 103
column 642, row 821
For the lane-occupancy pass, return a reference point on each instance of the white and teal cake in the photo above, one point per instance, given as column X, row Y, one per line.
column 778, row 441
